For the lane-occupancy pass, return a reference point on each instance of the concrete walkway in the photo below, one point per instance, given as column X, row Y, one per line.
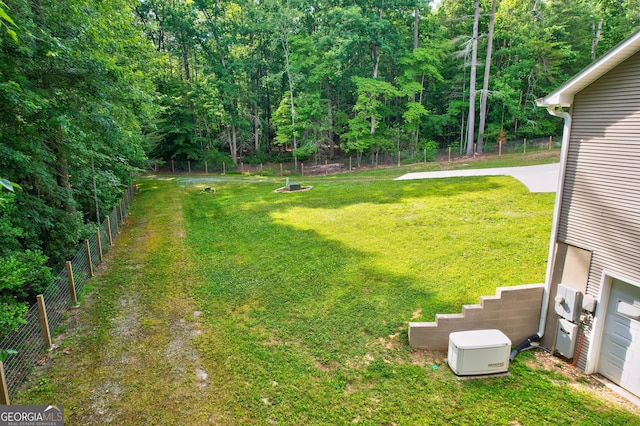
column 541, row 178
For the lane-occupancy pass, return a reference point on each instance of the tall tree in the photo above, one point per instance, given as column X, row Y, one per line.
column 472, row 81
column 485, row 84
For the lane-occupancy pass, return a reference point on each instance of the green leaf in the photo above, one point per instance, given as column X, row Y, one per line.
column 4, row 354
column 12, row 34
column 5, row 183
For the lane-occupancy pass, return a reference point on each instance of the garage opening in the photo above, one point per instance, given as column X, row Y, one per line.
column 620, row 345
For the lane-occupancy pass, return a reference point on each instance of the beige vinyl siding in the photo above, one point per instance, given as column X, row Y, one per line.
column 601, row 199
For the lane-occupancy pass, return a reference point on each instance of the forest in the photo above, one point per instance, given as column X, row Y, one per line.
column 93, row 91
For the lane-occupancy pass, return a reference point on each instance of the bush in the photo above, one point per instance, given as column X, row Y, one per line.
column 431, row 148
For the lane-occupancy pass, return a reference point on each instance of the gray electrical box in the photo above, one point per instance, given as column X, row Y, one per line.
column 568, row 302
column 567, row 336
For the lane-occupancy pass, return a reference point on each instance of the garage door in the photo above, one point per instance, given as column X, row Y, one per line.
column 620, row 353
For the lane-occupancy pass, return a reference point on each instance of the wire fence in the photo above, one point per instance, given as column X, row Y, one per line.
column 319, row 164
column 27, row 346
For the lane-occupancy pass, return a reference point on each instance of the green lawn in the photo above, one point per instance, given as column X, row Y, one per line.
column 247, row 306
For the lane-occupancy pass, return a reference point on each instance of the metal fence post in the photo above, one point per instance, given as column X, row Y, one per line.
column 87, row 249
column 72, row 283
column 4, row 391
column 42, row 310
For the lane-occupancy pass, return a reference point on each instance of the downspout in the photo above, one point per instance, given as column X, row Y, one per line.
column 557, row 111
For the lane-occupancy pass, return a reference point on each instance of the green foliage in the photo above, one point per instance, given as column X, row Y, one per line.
column 431, row 149
column 6, row 19
column 4, row 354
column 75, row 96
column 22, row 272
column 236, row 62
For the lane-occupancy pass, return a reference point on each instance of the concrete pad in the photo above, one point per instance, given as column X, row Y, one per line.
column 540, row 178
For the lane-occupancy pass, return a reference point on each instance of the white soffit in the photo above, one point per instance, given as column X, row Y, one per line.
column 563, row 96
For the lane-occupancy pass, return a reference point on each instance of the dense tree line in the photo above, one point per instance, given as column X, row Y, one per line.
column 244, row 77
column 89, row 89
column 75, row 97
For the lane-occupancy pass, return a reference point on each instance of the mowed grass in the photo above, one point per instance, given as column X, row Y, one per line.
column 296, row 306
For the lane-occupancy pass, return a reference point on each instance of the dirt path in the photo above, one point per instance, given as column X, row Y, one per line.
column 129, row 356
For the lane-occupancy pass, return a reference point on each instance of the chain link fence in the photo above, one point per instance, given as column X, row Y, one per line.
column 27, row 345
column 319, row 165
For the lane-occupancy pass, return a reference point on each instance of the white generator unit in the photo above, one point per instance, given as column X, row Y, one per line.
column 478, row 352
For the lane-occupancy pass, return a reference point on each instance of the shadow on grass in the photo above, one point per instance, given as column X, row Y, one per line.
column 304, row 287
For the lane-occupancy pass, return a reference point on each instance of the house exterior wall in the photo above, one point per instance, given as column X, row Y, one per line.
column 600, row 210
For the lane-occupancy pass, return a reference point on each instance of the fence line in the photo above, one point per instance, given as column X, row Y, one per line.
column 29, row 341
column 318, row 164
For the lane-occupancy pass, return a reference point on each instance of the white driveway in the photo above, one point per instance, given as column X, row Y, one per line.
column 541, row 178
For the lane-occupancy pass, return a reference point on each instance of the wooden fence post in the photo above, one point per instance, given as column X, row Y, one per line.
column 302, row 169
column 121, row 212
column 425, row 155
column 189, row 165
column 524, row 151
column 550, row 142
column 206, row 168
column 109, row 236
column 449, row 154
column 87, row 249
column 4, row 390
column 326, row 167
column 72, row 282
column 280, row 169
column 99, row 244
column 42, row 310
column 173, row 168
column 398, row 158
column 377, row 160
column 349, row 163
column 115, row 218
column 499, row 148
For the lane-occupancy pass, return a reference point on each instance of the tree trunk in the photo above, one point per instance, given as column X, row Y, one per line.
column 285, row 47
column 63, row 178
column 330, row 118
column 485, row 85
column 95, row 190
column 256, row 127
column 233, row 143
column 375, row 55
column 596, row 40
column 472, row 81
column 185, row 62
column 416, row 16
